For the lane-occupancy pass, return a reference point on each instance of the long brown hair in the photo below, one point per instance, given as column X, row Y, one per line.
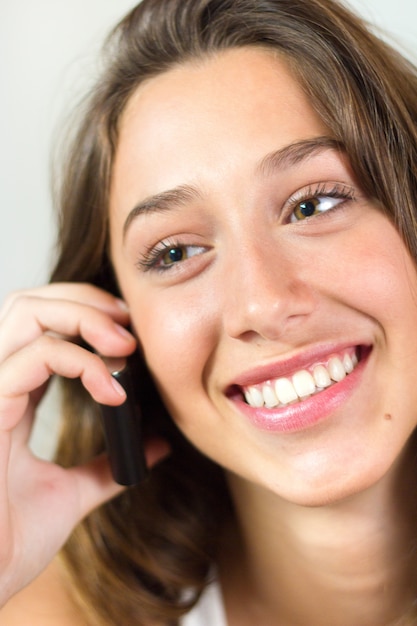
column 134, row 558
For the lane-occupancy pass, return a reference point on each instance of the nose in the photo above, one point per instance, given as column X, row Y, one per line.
column 266, row 294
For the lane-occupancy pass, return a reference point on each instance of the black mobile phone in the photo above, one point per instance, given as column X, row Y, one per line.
column 123, row 425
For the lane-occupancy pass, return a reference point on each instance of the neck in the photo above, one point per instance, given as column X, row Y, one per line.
column 349, row 562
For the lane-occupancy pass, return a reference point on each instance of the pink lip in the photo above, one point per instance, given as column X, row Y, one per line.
column 306, row 413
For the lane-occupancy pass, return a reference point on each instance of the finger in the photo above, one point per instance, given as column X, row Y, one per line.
column 29, row 368
column 96, row 484
column 83, row 293
column 29, row 317
column 23, row 431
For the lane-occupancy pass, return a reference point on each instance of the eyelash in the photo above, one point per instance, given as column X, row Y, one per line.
column 151, row 259
column 154, row 255
column 320, row 191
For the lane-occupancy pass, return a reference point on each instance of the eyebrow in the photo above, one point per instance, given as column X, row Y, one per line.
column 162, row 202
column 295, row 153
column 284, row 158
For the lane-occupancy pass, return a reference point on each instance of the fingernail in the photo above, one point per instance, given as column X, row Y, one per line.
column 122, row 305
column 118, row 387
column 123, row 332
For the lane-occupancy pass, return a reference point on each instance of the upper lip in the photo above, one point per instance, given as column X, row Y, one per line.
column 288, row 366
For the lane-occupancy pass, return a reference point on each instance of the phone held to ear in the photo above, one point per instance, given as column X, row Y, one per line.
column 123, row 426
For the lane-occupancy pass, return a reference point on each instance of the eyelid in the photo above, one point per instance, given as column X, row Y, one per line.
column 148, row 261
column 321, row 189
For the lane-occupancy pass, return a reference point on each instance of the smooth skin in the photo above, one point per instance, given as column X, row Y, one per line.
column 232, row 284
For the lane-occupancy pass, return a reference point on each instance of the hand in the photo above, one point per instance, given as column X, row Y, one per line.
column 40, row 502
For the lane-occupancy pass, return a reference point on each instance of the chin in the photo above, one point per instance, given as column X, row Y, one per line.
column 334, row 485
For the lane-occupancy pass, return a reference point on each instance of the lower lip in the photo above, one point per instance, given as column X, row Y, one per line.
column 306, row 413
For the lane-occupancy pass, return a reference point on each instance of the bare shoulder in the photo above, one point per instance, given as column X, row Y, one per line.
column 45, row 602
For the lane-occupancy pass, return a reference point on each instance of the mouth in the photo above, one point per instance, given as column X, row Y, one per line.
column 303, row 383
column 301, row 394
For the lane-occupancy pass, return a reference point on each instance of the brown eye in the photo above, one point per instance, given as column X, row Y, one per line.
column 173, row 255
column 314, row 205
column 307, row 208
column 165, row 256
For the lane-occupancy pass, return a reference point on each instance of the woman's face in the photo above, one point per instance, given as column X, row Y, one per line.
column 254, row 266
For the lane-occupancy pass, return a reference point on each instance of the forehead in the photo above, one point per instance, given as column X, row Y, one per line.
column 237, row 79
column 239, row 104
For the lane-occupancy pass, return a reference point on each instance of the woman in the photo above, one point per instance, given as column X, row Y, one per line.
column 240, row 194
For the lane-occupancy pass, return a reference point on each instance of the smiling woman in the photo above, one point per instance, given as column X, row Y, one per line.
column 241, row 195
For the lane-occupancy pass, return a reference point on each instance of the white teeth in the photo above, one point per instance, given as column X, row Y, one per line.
column 254, row 397
column 270, row 398
column 336, row 369
column 285, row 391
column 257, row 397
column 302, row 384
column 321, row 377
column 348, row 364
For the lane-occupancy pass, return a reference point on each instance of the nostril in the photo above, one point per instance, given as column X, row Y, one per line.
column 269, row 309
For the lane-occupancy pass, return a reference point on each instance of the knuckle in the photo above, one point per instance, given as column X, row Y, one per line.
column 9, row 301
column 44, row 343
column 16, row 301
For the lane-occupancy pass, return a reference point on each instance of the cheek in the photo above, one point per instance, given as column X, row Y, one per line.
column 386, row 282
column 177, row 338
column 372, row 274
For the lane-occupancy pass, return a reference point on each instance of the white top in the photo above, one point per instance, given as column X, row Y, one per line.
column 209, row 611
